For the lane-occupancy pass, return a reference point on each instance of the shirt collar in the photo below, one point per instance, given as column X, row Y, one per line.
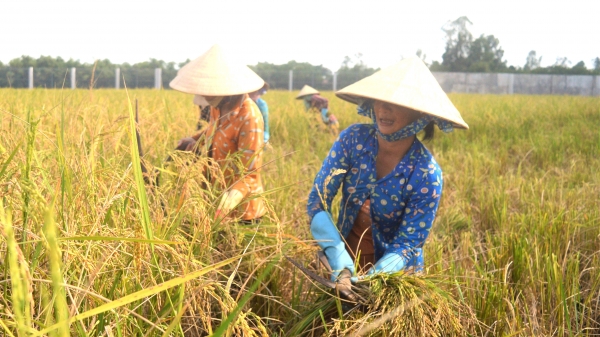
column 409, row 160
column 412, row 153
column 237, row 109
column 371, row 146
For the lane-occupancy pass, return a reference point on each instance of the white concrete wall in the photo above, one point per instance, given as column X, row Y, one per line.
column 529, row 84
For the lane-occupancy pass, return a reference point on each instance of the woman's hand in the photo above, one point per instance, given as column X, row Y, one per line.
column 229, row 201
column 389, row 263
column 186, row 144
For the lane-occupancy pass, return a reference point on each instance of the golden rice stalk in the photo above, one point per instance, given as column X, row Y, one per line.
column 323, row 197
column 20, row 277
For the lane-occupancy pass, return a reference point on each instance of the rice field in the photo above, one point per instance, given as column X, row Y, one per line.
column 88, row 249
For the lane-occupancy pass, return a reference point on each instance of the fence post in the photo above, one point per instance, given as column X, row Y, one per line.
column 73, row 78
column 157, row 78
column 291, row 80
column 335, row 81
column 511, row 84
column 30, row 77
column 118, row 78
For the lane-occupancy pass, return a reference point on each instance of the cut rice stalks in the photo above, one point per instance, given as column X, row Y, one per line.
column 400, row 304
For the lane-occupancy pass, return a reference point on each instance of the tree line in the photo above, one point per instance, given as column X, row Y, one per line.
column 318, row 77
column 50, row 72
column 463, row 53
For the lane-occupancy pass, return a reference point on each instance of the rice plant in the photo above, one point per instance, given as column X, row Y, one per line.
column 89, row 250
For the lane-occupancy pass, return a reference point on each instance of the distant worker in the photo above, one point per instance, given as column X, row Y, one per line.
column 234, row 131
column 263, row 107
column 313, row 101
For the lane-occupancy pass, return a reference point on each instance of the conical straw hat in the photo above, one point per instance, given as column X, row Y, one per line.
column 306, row 90
column 264, row 89
column 408, row 83
column 215, row 74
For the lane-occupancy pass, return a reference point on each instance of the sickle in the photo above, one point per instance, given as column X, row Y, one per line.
column 343, row 287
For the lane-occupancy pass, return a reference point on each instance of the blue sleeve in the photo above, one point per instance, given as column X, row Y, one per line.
column 329, row 178
column 264, row 110
column 324, row 115
column 419, row 212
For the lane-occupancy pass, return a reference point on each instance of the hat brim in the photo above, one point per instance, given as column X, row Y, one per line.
column 216, row 74
column 408, row 84
column 201, row 101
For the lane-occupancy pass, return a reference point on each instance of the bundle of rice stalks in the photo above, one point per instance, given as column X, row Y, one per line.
column 396, row 305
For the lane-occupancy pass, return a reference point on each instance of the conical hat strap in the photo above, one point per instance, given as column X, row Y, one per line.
column 365, row 108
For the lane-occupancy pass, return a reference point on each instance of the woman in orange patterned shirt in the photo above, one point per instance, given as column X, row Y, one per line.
column 235, row 129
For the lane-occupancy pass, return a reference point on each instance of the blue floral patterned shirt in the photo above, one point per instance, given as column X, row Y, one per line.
column 403, row 203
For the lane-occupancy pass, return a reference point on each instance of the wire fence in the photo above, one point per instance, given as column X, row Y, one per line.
column 82, row 77
column 297, row 79
column 137, row 77
column 86, row 77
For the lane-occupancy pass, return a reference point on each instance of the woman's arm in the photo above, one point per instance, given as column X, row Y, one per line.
column 329, row 178
column 419, row 213
column 325, row 187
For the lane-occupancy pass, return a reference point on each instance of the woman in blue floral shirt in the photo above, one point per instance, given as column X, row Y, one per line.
column 391, row 184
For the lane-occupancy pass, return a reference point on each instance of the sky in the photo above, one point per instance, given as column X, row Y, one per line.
column 321, row 32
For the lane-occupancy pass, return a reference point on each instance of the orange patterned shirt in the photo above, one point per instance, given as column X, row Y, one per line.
column 240, row 133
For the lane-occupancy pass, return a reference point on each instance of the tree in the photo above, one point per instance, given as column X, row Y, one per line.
column 437, row 66
column 23, row 62
column 277, row 76
column 532, row 61
column 50, row 72
column 596, row 63
column 347, row 61
column 579, row 69
column 485, row 55
column 562, row 62
column 458, row 43
column 352, row 70
column 180, row 65
column 353, row 62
